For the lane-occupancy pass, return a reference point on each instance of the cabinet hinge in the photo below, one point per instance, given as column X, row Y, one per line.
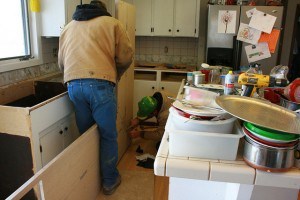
column 152, row 30
column 41, row 148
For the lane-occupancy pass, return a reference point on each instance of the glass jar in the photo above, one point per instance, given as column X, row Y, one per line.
column 214, row 76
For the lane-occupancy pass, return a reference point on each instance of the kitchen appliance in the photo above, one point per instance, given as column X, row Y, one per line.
column 223, row 48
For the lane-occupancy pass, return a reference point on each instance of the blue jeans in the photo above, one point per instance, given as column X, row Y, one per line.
column 95, row 102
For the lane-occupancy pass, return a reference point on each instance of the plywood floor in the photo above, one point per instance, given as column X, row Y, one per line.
column 138, row 183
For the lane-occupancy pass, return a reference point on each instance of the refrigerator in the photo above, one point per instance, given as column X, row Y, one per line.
column 225, row 50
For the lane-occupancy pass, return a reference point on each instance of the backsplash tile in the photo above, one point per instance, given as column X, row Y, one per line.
column 174, row 50
column 11, row 77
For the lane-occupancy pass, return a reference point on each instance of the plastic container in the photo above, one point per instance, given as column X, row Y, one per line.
column 190, row 77
column 205, row 145
column 186, row 124
column 199, row 96
column 292, row 91
column 229, row 83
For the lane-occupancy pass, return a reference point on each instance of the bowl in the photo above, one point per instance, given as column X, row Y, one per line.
column 289, row 104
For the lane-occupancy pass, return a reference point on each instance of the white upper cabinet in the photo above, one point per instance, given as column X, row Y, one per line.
column 163, row 17
column 55, row 14
column 186, row 18
column 167, row 18
column 143, row 17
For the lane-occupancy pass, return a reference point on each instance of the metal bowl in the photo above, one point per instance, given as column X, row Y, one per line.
column 289, row 104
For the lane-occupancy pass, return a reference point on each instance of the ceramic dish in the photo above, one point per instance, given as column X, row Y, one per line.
column 205, row 112
column 190, row 116
column 269, row 133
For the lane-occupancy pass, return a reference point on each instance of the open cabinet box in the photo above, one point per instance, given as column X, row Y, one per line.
column 37, row 123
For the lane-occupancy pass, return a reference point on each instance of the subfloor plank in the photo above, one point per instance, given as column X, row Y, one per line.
column 138, row 183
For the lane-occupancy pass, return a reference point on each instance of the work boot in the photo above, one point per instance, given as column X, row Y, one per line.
column 112, row 189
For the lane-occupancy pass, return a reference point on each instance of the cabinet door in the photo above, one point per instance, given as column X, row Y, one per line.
column 55, row 14
column 185, row 18
column 163, row 12
column 51, row 142
column 143, row 17
column 142, row 88
column 53, row 17
column 70, row 130
column 170, row 87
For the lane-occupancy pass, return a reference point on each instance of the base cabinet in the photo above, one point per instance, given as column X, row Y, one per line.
column 147, row 82
column 57, row 137
column 33, row 130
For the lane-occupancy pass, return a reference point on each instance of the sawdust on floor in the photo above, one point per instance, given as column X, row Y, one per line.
column 136, row 185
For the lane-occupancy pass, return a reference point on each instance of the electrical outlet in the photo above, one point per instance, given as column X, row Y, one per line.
column 54, row 52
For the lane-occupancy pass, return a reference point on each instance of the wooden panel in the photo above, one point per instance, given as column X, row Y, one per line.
column 15, row 121
column 73, row 174
column 15, row 165
column 126, row 14
column 161, row 188
column 16, row 91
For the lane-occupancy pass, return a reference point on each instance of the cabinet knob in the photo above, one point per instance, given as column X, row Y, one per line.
column 170, row 30
column 162, row 88
column 153, row 87
column 61, row 132
column 66, row 128
column 177, row 30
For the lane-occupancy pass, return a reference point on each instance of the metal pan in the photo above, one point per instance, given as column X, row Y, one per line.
column 260, row 112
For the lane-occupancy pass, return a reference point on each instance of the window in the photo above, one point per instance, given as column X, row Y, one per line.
column 19, row 39
column 14, row 35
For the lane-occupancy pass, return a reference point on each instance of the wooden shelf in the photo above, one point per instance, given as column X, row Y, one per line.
column 172, row 76
column 145, row 75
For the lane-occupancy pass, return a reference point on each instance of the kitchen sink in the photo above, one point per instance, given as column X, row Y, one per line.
column 42, row 91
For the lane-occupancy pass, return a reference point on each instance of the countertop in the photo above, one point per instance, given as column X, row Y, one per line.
column 164, row 67
column 236, row 171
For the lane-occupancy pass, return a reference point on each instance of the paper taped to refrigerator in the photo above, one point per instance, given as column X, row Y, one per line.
column 262, row 21
column 227, row 21
column 257, row 52
column 248, row 34
column 249, row 13
column 271, row 39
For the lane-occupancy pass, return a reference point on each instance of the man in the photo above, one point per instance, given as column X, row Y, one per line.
column 152, row 106
column 94, row 52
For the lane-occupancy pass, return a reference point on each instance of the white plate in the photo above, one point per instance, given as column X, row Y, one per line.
column 197, row 111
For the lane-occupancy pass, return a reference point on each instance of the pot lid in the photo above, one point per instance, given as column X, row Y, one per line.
column 260, row 112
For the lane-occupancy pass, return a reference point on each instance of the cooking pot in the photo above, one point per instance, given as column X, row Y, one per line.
column 268, row 158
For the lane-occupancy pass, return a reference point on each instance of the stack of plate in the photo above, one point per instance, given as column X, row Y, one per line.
column 268, row 136
column 268, row 149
